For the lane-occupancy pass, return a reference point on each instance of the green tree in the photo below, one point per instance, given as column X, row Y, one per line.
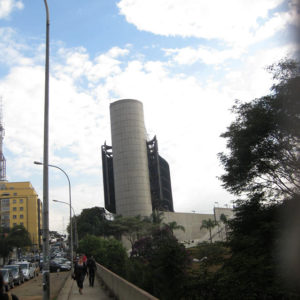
column 157, row 217
column 263, row 165
column 90, row 245
column 19, row 237
column 162, row 262
column 174, row 226
column 209, row 225
column 252, row 269
column 5, row 247
column 212, row 254
column 108, row 252
column 263, row 141
column 224, row 220
column 131, row 228
column 91, row 221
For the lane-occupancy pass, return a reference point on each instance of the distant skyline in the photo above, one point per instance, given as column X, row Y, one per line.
column 185, row 60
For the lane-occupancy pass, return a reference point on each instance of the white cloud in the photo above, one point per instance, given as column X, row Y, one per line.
column 7, row 6
column 78, row 64
column 251, row 80
column 187, row 115
column 11, row 50
column 207, row 55
column 234, row 21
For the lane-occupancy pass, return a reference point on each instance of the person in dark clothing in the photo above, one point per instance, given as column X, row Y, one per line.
column 91, row 266
column 5, row 296
column 79, row 273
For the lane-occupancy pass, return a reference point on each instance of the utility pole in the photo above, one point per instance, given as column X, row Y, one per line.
column 46, row 273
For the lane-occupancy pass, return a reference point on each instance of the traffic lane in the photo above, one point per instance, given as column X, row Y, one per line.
column 33, row 289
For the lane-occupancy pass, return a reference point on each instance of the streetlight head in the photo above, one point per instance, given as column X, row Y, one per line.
column 37, row 163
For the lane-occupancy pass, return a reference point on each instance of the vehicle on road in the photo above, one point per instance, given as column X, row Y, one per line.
column 62, row 261
column 16, row 272
column 8, row 279
column 54, row 266
column 27, row 269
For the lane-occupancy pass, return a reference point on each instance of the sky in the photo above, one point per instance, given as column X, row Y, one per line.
column 187, row 61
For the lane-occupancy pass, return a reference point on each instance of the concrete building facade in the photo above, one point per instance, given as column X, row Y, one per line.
column 130, row 163
column 137, row 179
column 20, row 205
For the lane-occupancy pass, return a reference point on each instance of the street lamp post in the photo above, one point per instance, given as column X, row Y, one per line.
column 46, row 275
column 75, row 223
column 70, row 201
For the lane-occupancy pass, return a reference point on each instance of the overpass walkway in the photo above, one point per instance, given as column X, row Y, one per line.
column 70, row 291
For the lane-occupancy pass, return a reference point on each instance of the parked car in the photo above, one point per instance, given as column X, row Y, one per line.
column 16, row 272
column 54, row 266
column 8, row 279
column 27, row 269
column 62, row 260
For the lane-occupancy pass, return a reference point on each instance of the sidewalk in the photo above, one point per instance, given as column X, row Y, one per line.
column 70, row 291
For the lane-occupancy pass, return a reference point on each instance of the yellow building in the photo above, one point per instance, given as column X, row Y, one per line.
column 20, row 205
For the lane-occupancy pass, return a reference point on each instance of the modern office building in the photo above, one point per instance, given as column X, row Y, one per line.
column 136, row 178
column 20, row 205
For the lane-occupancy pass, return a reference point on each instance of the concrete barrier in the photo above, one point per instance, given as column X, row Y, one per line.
column 120, row 288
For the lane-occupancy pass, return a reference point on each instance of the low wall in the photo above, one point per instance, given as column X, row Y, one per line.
column 121, row 288
column 191, row 222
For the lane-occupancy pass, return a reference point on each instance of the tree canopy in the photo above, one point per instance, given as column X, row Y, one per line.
column 91, row 221
column 108, row 252
column 209, row 225
column 263, row 141
column 253, row 267
column 19, row 237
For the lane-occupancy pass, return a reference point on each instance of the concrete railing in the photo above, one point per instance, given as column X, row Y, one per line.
column 121, row 288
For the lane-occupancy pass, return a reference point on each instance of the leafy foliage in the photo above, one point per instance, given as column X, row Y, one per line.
column 165, row 262
column 132, row 228
column 263, row 162
column 17, row 236
column 174, row 226
column 252, row 270
column 91, row 221
column 5, row 248
column 108, row 252
column 209, row 225
column 263, row 141
column 212, row 254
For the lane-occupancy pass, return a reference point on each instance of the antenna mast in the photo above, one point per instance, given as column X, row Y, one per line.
column 2, row 133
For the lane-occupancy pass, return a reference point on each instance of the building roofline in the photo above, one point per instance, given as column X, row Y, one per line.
column 125, row 100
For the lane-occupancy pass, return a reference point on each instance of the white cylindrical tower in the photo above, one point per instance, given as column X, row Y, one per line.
column 130, row 161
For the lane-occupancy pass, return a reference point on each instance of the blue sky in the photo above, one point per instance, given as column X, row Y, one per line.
column 186, row 60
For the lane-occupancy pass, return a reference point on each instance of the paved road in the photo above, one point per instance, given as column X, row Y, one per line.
column 33, row 289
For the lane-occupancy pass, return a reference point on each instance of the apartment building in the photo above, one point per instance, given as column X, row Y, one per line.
column 20, row 205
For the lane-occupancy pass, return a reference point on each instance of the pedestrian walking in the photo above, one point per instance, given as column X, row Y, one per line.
column 91, row 266
column 79, row 273
column 5, row 296
column 84, row 258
